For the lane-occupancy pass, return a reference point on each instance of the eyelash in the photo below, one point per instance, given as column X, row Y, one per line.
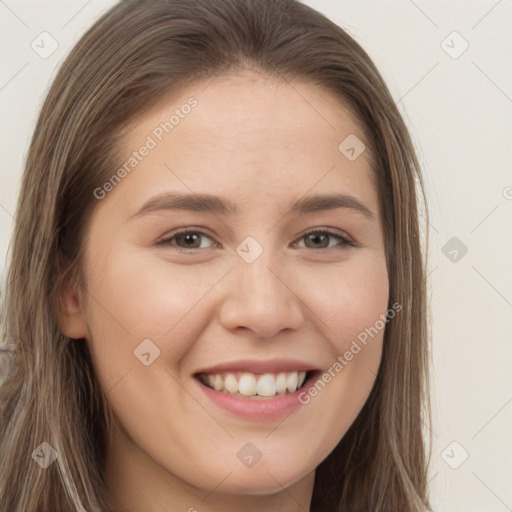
column 188, row 231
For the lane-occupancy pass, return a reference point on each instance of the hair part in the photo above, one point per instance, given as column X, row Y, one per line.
column 133, row 56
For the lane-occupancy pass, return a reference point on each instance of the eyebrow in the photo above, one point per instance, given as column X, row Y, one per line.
column 210, row 203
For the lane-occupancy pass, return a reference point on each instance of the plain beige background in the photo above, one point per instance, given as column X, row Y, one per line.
column 447, row 65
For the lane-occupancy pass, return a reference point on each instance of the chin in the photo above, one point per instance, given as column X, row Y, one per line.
column 266, row 479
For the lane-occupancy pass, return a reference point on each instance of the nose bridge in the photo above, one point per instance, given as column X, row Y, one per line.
column 257, row 271
column 259, row 297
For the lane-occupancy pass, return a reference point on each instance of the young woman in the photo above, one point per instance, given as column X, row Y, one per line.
column 216, row 292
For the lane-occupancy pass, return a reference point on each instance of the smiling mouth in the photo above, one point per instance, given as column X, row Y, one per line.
column 253, row 385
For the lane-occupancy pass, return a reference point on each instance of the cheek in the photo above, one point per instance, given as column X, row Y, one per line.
column 349, row 300
column 351, row 307
column 135, row 300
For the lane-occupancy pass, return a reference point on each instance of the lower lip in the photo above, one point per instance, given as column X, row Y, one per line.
column 258, row 409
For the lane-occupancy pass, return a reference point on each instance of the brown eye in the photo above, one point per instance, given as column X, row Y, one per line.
column 321, row 239
column 185, row 239
column 191, row 240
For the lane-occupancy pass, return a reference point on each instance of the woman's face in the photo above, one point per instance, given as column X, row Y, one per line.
column 246, row 303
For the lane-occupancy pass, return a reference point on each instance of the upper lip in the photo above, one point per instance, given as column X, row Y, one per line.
column 259, row 366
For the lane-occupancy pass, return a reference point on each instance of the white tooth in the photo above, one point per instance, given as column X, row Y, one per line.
column 281, row 383
column 218, row 382
column 231, row 384
column 210, row 379
column 247, row 384
column 302, row 378
column 266, row 385
column 291, row 382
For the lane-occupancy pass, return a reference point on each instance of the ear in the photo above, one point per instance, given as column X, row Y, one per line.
column 71, row 317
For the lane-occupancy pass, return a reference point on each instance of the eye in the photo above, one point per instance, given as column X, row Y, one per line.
column 320, row 237
column 189, row 237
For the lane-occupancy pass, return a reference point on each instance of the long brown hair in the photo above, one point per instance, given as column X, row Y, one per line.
column 135, row 54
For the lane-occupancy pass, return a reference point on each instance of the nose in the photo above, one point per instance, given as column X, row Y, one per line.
column 259, row 297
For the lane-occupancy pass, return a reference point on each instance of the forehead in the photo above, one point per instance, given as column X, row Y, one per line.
column 253, row 136
column 245, row 105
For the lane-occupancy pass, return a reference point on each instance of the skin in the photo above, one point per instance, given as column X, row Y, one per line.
column 262, row 143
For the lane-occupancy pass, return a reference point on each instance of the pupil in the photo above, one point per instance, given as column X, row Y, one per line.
column 188, row 238
column 317, row 237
